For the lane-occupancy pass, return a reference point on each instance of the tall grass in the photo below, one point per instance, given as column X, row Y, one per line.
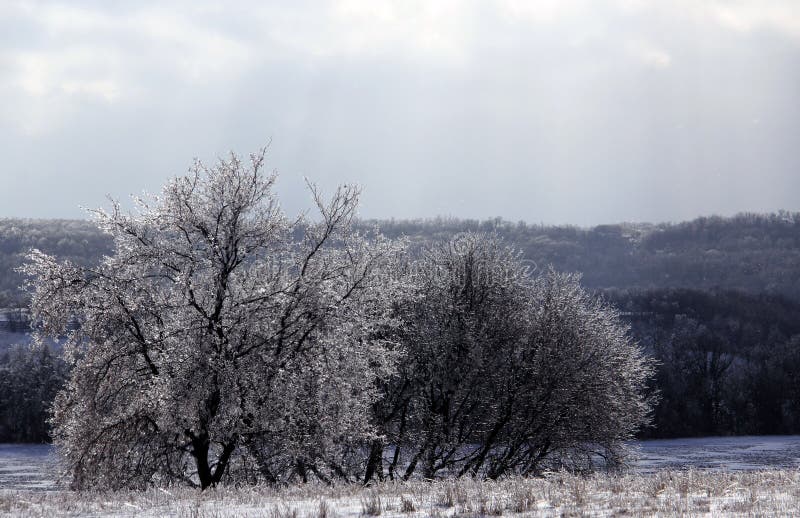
column 762, row 493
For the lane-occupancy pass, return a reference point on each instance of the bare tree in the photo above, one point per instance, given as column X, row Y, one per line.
column 504, row 372
column 576, row 390
column 218, row 334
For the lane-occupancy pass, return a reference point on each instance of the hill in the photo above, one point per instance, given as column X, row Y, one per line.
column 76, row 240
column 754, row 253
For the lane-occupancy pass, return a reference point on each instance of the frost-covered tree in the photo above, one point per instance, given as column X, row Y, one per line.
column 219, row 336
column 575, row 388
column 504, row 372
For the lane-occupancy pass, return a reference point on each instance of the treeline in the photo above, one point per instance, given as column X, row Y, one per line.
column 75, row 240
column 755, row 253
column 729, row 362
column 30, row 377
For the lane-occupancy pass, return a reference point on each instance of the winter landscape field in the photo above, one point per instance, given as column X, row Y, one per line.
column 399, row 258
column 717, row 476
column 667, row 493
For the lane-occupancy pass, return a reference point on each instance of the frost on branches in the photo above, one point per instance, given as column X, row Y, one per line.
column 505, row 372
column 220, row 339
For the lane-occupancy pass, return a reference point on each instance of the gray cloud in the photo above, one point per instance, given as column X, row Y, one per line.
column 579, row 112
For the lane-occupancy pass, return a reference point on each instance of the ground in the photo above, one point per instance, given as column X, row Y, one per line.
column 735, row 476
column 665, row 493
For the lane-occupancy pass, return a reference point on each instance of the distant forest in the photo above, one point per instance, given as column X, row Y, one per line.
column 754, row 253
column 715, row 300
column 76, row 240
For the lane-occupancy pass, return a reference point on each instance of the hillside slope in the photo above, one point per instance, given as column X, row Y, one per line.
column 750, row 252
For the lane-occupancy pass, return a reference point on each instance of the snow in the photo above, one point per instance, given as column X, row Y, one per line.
column 9, row 339
column 719, row 453
column 32, row 466
column 27, row 466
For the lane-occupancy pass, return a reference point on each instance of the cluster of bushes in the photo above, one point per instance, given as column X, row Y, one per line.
column 222, row 341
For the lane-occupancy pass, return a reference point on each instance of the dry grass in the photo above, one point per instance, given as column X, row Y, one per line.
column 407, row 504
column 668, row 493
column 371, row 504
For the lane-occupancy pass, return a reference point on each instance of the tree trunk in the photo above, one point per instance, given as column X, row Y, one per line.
column 200, row 446
column 375, row 461
column 222, row 462
column 300, row 467
column 200, row 449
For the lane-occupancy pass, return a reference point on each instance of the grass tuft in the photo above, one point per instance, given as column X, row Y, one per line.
column 371, row 504
column 407, row 505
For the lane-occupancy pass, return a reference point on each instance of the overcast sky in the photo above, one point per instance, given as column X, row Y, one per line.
column 545, row 111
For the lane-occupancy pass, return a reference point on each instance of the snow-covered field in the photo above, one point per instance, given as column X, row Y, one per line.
column 27, row 466
column 8, row 339
column 710, row 476
column 720, row 453
column 666, row 493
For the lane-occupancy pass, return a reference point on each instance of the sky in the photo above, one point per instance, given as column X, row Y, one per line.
column 546, row 111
